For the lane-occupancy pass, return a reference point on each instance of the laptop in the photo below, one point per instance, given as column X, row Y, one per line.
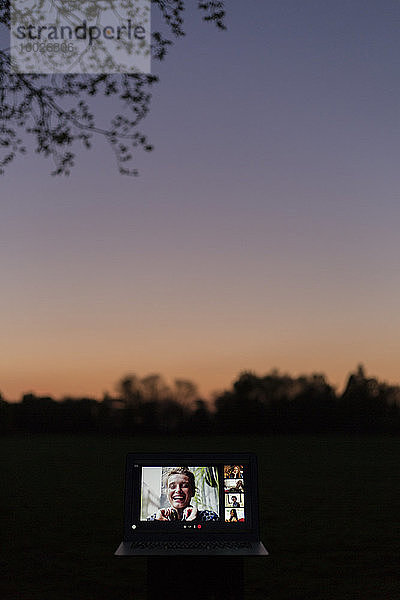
column 191, row 504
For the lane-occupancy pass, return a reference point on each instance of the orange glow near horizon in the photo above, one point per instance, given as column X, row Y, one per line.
column 94, row 381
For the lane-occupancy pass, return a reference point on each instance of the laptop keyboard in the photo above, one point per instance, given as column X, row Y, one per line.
column 190, row 545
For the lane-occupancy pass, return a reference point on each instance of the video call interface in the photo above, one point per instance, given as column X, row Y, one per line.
column 193, row 495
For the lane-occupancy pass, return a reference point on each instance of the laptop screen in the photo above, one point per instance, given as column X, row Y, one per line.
column 190, row 493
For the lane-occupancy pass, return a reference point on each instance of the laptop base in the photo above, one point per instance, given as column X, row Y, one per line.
column 248, row 549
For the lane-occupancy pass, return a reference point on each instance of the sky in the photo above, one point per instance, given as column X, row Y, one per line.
column 261, row 233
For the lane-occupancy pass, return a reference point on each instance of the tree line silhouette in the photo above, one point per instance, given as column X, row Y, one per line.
column 270, row 404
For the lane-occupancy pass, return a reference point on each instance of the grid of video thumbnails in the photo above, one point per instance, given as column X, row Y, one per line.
column 235, row 493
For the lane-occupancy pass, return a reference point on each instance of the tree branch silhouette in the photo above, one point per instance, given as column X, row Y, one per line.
column 57, row 111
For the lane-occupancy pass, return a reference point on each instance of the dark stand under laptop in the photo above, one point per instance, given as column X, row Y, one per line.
column 195, row 516
column 206, row 578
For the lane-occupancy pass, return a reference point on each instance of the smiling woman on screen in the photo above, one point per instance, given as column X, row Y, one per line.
column 180, row 487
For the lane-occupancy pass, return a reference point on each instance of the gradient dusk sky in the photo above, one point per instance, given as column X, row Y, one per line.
column 262, row 232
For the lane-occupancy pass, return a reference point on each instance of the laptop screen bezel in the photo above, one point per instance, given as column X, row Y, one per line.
column 134, row 527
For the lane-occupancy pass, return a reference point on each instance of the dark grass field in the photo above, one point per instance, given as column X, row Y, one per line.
column 329, row 517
